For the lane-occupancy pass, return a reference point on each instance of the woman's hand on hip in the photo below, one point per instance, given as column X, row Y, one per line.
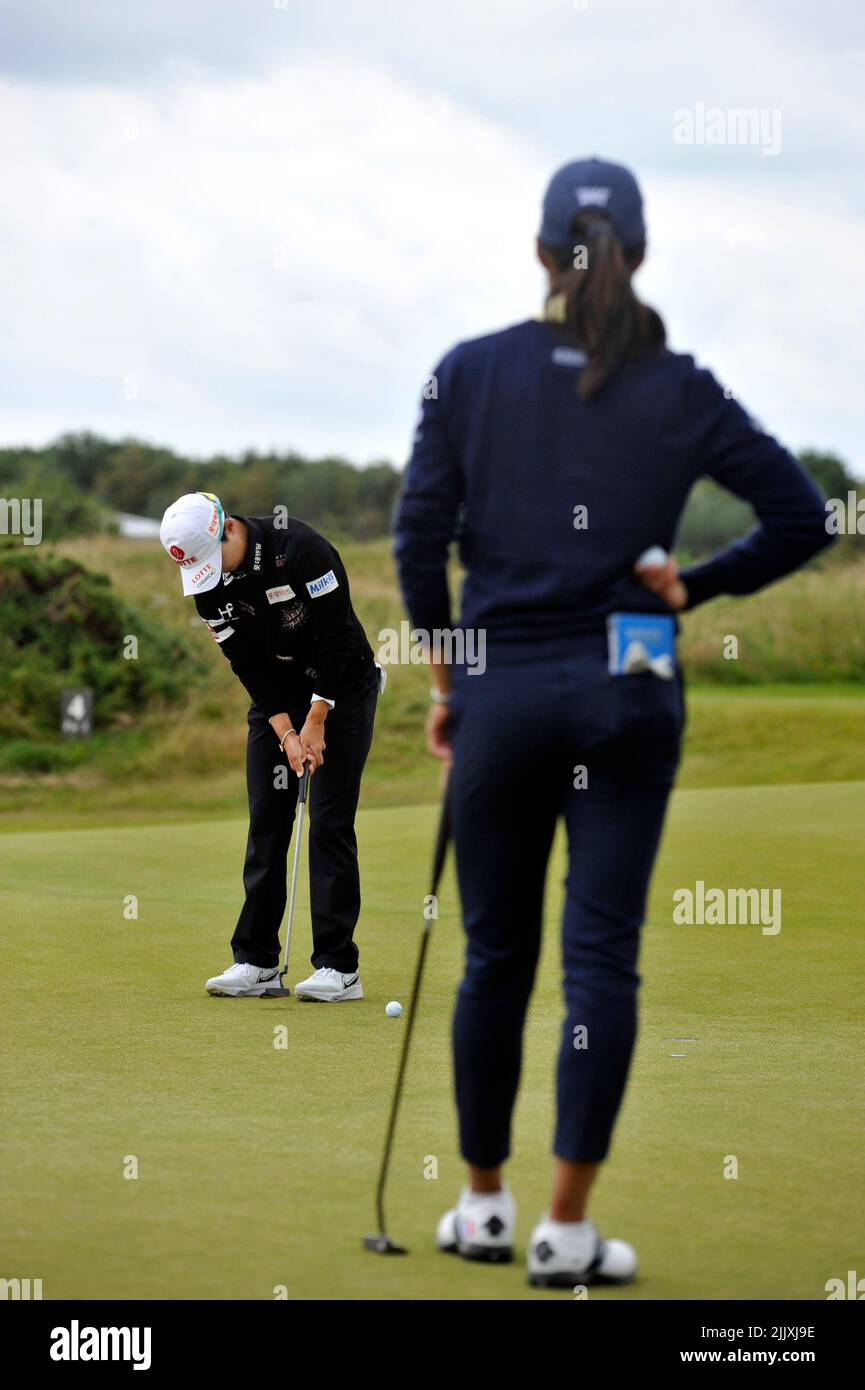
column 664, row 581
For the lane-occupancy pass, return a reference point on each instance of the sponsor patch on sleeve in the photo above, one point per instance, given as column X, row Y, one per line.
column 215, row 623
column 281, row 594
column 323, row 585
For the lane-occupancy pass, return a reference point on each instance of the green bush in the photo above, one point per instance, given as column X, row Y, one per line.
column 23, row 755
column 61, row 625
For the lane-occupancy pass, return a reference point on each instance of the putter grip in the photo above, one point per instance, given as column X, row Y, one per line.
column 303, row 786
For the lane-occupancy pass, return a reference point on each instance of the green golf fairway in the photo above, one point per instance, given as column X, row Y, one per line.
column 257, row 1164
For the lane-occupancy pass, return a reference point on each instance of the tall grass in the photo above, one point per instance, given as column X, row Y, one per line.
column 188, row 761
column 808, row 629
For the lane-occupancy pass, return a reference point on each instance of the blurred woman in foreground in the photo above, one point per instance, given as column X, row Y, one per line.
column 560, row 451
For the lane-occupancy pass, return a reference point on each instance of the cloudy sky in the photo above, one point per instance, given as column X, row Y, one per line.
column 258, row 223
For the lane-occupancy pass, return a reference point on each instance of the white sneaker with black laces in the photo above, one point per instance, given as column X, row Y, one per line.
column 564, row 1253
column 480, row 1227
column 245, row 980
column 328, row 986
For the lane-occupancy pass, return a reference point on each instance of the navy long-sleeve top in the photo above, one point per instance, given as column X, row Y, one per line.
column 506, row 455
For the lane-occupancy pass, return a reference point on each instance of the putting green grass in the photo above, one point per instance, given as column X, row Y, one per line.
column 257, row 1164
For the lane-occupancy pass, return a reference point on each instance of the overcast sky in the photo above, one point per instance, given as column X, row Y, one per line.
column 234, row 224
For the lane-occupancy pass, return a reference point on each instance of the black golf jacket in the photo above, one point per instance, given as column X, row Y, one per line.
column 286, row 622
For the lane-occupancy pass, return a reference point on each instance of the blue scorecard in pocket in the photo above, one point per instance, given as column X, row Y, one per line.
column 641, row 642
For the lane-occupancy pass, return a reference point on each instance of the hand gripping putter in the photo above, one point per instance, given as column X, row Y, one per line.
column 382, row 1244
column 302, row 792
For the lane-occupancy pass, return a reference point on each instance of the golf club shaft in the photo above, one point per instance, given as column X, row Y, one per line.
column 438, row 864
column 394, row 1111
column 303, row 789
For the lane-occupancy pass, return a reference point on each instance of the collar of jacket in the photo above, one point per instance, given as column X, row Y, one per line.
column 256, row 545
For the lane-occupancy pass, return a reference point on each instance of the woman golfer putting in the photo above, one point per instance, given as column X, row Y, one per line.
column 559, row 451
column 275, row 596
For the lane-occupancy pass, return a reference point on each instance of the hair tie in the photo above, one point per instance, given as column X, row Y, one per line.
column 556, row 307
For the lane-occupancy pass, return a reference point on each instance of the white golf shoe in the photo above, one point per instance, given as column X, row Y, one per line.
column 329, row 986
column 564, row 1253
column 245, row 980
column 480, row 1227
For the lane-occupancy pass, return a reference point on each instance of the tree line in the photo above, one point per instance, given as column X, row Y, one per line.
column 84, row 480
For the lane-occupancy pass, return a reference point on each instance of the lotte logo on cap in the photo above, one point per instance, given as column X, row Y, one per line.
column 176, row 553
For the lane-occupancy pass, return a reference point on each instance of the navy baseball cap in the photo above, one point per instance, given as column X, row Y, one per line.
column 596, row 184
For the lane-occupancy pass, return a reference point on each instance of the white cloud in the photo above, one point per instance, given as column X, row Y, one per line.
column 282, row 257
column 279, row 252
column 767, row 295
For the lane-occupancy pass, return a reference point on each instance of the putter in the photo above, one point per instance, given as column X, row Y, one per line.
column 382, row 1244
column 283, row 992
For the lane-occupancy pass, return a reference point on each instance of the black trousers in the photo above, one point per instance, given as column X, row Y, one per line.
column 334, row 879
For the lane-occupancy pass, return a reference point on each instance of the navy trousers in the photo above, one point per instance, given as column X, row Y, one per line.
column 522, row 733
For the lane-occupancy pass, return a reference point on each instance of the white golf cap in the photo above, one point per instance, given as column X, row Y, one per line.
column 191, row 532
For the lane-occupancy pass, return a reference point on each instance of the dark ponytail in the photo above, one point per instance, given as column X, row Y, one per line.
column 594, row 304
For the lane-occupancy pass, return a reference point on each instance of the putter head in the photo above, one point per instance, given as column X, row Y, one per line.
column 383, row 1245
column 280, row 991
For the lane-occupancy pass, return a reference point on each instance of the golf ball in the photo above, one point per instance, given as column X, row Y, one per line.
column 393, row 1009
column 655, row 555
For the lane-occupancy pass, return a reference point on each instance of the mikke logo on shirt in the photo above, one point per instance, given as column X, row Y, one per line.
column 323, row 585
column 281, row 594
